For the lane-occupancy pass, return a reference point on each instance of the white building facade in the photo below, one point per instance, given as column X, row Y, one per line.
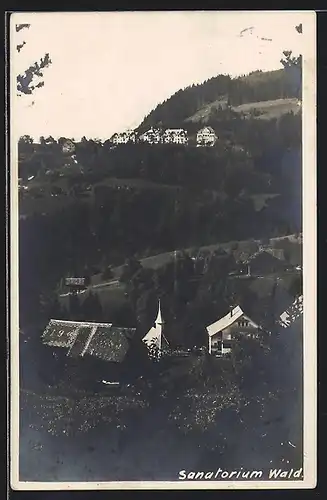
column 151, row 136
column 206, row 137
column 175, row 136
column 124, row 137
column 226, row 331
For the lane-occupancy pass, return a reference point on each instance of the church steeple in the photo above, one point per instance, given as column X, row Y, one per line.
column 159, row 321
column 153, row 339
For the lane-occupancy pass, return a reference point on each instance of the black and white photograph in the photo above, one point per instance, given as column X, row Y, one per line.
column 162, row 183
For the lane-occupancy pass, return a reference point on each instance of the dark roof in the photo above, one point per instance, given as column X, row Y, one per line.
column 102, row 340
column 110, row 343
column 60, row 333
column 264, row 256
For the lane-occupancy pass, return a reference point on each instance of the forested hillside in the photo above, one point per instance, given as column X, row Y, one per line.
column 222, row 90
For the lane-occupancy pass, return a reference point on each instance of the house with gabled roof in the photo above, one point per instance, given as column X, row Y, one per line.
column 264, row 262
column 129, row 136
column 223, row 333
column 174, row 136
column 151, row 136
column 206, row 137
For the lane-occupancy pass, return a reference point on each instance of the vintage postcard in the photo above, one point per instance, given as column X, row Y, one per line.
column 163, row 250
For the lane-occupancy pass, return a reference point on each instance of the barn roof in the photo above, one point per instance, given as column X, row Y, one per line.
column 102, row 340
column 266, row 255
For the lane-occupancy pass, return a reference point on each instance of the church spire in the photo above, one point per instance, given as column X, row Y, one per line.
column 153, row 339
column 159, row 320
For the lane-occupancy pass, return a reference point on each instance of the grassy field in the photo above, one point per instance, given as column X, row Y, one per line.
column 270, row 109
column 260, row 200
column 203, row 114
column 112, row 293
column 157, row 261
column 267, row 109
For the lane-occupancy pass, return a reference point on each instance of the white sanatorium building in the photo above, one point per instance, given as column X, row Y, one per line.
column 174, row 136
column 206, row 137
column 124, row 137
column 151, row 136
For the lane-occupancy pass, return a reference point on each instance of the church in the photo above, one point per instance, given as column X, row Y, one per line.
column 155, row 339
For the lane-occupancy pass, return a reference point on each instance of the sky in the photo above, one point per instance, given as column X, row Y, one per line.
column 109, row 70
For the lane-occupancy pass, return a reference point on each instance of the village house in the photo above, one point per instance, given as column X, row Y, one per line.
column 152, row 136
column 206, row 137
column 223, row 333
column 174, row 136
column 264, row 262
column 124, row 137
column 74, row 284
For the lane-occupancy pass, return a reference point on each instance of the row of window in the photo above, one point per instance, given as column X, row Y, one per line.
column 243, row 322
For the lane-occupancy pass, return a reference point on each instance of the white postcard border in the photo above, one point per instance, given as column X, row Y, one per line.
column 309, row 293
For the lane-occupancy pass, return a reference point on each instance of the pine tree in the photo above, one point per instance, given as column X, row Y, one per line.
column 74, row 307
column 56, row 309
column 97, row 308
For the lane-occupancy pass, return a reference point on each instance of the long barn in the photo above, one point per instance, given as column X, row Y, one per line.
column 88, row 346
